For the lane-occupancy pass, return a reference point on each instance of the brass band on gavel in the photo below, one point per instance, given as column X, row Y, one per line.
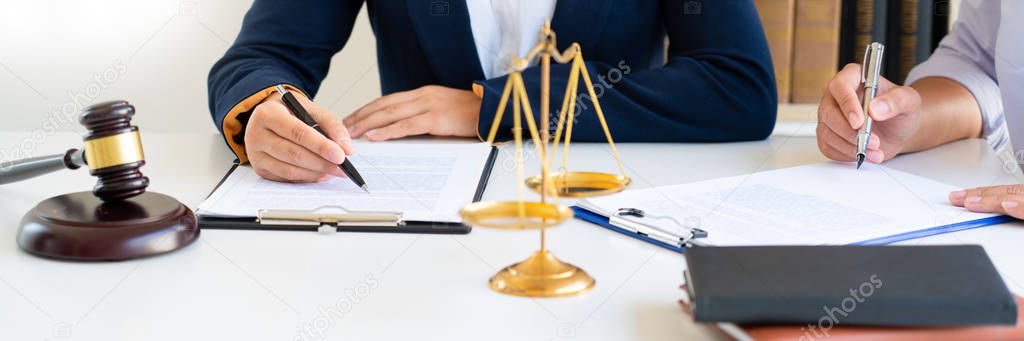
column 113, row 150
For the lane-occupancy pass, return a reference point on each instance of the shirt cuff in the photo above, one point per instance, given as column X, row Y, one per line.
column 478, row 90
column 232, row 127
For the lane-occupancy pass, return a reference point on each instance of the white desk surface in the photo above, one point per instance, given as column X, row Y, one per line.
column 254, row 285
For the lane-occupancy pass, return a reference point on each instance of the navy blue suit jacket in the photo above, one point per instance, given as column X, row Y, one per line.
column 717, row 83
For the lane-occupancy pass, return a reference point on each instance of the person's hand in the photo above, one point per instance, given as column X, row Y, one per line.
column 1005, row 199
column 895, row 112
column 281, row 147
column 434, row 110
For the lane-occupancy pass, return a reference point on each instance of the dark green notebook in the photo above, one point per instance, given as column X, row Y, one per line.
column 946, row 285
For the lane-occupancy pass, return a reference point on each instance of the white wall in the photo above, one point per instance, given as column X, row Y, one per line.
column 153, row 53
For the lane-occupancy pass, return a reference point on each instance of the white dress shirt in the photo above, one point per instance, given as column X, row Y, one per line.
column 506, row 28
column 984, row 54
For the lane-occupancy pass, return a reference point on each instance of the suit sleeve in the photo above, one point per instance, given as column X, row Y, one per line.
column 717, row 85
column 281, row 42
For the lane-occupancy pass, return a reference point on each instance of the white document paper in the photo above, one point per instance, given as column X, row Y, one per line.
column 825, row 203
column 426, row 182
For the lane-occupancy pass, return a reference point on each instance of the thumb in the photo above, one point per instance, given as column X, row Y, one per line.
column 894, row 102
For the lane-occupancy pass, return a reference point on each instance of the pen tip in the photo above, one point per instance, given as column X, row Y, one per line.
column 365, row 189
column 860, row 160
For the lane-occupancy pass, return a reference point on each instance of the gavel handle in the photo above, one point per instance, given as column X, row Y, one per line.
column 14, row 171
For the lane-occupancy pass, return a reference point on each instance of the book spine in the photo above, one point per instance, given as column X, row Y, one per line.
column 925, row 22
column 870, row 26
column 941, row 21
column 892, row 63
column 777, row 20
column 864, row 26
column 848, row 33
column 815, row 48
column 876, row 312
column 879, row 21
column 907, row 55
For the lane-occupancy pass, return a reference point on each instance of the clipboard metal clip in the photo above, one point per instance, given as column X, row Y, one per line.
column 329, row 218
column 621, row 220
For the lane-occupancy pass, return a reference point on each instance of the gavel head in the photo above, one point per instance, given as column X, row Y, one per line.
column 113, row 150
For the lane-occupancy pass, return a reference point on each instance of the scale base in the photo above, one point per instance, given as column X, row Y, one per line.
column 81, row 227
column 542, row 275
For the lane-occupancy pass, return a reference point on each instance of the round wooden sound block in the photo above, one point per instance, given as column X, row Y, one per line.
column 80, row 226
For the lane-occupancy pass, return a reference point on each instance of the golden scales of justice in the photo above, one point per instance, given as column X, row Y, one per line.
column 543, row 275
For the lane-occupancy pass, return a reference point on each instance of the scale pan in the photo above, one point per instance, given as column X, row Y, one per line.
column 505, row 215
column 580, row 184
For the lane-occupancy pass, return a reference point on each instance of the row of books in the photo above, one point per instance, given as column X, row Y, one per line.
column 812, row 39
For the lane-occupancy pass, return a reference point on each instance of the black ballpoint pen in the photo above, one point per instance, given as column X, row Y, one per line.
column 296, row 109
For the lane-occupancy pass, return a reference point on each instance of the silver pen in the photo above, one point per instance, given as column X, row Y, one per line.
column 870, row 70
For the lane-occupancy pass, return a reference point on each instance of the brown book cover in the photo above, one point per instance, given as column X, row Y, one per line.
column 850, row 333
column 909, row 18
column 777, row 19
column 815, row 48
column 864, row 27
column 916, row 26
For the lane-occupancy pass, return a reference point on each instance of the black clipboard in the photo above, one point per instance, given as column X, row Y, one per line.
column 401, row 226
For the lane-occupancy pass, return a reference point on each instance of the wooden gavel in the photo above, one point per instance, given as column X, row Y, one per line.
column 112, row 150
column 119, row 219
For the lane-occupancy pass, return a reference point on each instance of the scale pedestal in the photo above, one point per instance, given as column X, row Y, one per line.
column 542, row 275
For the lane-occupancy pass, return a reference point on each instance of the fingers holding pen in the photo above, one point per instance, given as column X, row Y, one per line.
column 844, row 89
column 836, row 148
column 282, row 147
column 277, row 170
column 891, row 103
column 335, row 129
column 287, row 151
column 296, row 131
column 837, row 140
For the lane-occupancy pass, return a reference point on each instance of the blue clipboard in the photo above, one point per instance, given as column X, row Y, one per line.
column 602, row 221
